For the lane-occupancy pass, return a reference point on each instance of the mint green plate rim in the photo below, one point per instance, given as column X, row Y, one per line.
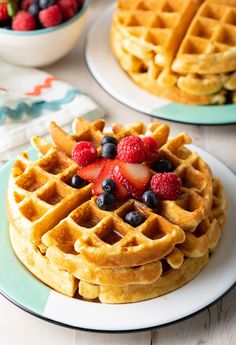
column 200, row 115
column 16, row 283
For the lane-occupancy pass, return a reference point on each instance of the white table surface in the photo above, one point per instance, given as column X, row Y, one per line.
column 214, row 326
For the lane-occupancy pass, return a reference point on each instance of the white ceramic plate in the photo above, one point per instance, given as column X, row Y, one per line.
column 108, row 73
column 20, row 287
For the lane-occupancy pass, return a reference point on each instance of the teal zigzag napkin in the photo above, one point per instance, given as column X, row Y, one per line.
column 30, row 99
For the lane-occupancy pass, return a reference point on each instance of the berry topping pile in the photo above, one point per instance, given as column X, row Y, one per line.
column 123, row 171
column 26, row 15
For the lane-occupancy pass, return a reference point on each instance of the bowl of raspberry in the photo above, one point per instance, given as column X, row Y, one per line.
column 38, row 32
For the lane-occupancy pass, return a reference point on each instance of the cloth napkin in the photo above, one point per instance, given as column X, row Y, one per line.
column 30, row 99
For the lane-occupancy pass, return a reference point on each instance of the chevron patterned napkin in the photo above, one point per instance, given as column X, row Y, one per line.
column 30, row 99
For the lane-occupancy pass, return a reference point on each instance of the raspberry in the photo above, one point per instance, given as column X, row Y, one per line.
column 26, row 4
column 84, row 153
column 3, row 11
column 131, row 149
column 68, row 8
column 151, row 147
column 166, row 185
column 51, row 16
column 23, row 21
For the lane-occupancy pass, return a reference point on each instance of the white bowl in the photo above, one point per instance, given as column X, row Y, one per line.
column 44, row 46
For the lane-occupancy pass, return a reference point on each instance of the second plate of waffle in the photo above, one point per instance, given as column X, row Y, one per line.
column 136, row 89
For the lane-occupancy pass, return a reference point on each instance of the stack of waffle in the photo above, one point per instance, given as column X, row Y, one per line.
column 183, row 50
column 67, row 242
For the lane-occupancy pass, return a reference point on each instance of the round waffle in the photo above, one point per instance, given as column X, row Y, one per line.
column 63, row 238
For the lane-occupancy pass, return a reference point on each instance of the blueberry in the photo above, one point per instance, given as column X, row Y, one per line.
column 109, row 150
column 108, row 140
column 150, row 199
column 34, row 9
column 77, row 182
column 106, row 201
column 108, row 185
column 6, row 24
column 134, row 218
column 46, row 3
column 162, row 165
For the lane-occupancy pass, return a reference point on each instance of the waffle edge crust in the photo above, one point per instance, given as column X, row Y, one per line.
column 68, row 243
column 181, row 50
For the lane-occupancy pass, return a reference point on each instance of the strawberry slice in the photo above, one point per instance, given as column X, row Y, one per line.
column 135, row 177
column 120, row 192
column 91, row 171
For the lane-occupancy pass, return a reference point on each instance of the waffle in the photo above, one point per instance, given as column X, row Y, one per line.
column 39, row 194
column 41, row 267
column 195, row 252
column 209, row 45
column 190, row 89
column 195, row 202
column 67, row 242
column 105, row 238
column 207, row 234
column 191, row 65
column 169, row 281
column 158, row 26
column 86, row 271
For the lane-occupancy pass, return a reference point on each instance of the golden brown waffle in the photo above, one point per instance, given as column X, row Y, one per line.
column 41, row 267
column 61, row 236
column 83, row 130
column 208, row 232
column 104, row 238
column 195, row 201
column 39, row 193
column 204, row 51
column 86, row 271
column 190, row 89
column 209, row 45
column 155, row 26
column 169, row 281
column 197, row 247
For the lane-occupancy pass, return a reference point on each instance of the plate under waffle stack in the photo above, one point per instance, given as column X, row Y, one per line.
column 66, row 241
column 182, row 50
